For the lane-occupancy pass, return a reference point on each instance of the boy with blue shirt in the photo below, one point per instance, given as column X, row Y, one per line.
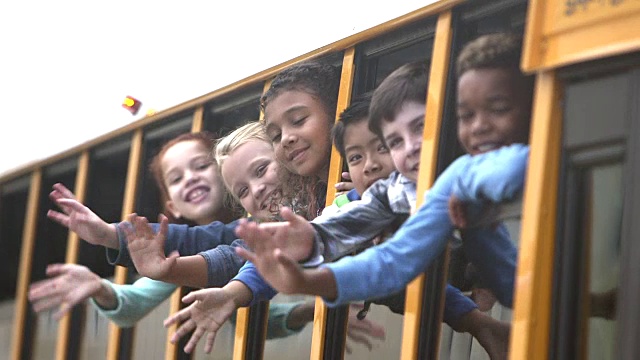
column 493, row 120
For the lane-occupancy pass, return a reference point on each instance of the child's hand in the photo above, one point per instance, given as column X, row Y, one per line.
column 278, row 269
column 210, row 309
column 344, row 186
column 147, row 249
column 457, row 212
column 80, row 219
column 361, row 331
column 67, row 285
column 294, row 236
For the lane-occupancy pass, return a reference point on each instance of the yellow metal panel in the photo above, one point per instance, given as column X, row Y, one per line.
column 72, row 252
column 428, row 161
column 198, row 119
column 128, row 207
column 335, row 173
column 565, row 32
column 26, row 258
column 532, row 298
column 242, row 328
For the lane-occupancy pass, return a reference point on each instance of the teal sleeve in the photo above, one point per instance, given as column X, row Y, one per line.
column 277, row 322
column 136, row 300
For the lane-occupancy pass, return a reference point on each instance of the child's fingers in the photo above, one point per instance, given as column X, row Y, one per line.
column 71, row 205
column 193, row 340
column 183, row 330
column 64, row 191
column 208, row 346
column 359, row 338
column 346, row 175
column 246, row 254
column 164, row 226
column 56, row 269
column 58, row 217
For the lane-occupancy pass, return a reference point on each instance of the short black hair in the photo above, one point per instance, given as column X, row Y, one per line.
column 355, row 113
column 409, row 82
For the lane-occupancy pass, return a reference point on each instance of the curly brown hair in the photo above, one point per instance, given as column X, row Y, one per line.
column 500, row 50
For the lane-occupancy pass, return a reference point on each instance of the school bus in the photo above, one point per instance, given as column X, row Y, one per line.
column 577, row 224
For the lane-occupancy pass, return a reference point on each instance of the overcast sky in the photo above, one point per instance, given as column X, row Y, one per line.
column 66, row 66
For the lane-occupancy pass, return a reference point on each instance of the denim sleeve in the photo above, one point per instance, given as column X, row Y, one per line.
column 260, row 289
column 387, row 268
column 495, row 176
column 354, row 224
column 495, row 256
column 223, row 263
column 183, row 238
column 135, row 300
column 456, row 305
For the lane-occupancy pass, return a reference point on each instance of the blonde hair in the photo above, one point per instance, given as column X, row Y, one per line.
column 297, row 192
column 225, row 146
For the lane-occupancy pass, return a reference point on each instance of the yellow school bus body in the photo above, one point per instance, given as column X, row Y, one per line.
column 559, row 36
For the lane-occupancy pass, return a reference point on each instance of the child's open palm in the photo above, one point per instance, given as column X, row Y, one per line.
column 80, row 219
column 147, row 248
column 210, row 309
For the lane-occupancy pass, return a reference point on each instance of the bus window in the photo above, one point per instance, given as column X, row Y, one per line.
column 13, row 206
column 50, row 247
column 596, row 142
column 227, row 113
column 104, row 195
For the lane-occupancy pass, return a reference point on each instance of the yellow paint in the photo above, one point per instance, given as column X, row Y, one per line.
column 532, row 298
column 565, row 32
column 26, row 259
column 82, row 175
column 428, row 161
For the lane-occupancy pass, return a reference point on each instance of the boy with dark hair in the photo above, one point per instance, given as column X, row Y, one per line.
column 494, row 105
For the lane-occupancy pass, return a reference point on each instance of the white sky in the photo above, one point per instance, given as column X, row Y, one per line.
column 66, row 66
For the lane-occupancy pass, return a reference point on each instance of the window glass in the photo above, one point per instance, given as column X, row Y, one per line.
column 602, row 219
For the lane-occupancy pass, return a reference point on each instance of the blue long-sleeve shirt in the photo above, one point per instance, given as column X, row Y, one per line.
column 497, row 176
column 216, row 242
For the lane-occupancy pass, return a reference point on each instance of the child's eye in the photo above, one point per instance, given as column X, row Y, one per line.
column 464, row 116
column 203, row 165
column 242, row 192
column 353, row 159
column 382, row 149
column 501, row 109
column 394, row 143
column 299, row 121
column 275, row 138
column 419, row 127
column 261, row 170
column 172, row 180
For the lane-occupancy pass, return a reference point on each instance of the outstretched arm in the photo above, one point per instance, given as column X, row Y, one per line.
column 146, row 249
column 68, row 285
column 280, row 270
column 80, row 219
column 494, row 176
column 209, row 310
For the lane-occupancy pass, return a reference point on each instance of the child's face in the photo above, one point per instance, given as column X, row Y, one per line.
column 299, row 128
column 403, row 137
column 367, row 157
column 191, row 177
column 492, row 110
column 251, row 175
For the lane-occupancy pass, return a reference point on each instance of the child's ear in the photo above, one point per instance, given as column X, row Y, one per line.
column 172, row 209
